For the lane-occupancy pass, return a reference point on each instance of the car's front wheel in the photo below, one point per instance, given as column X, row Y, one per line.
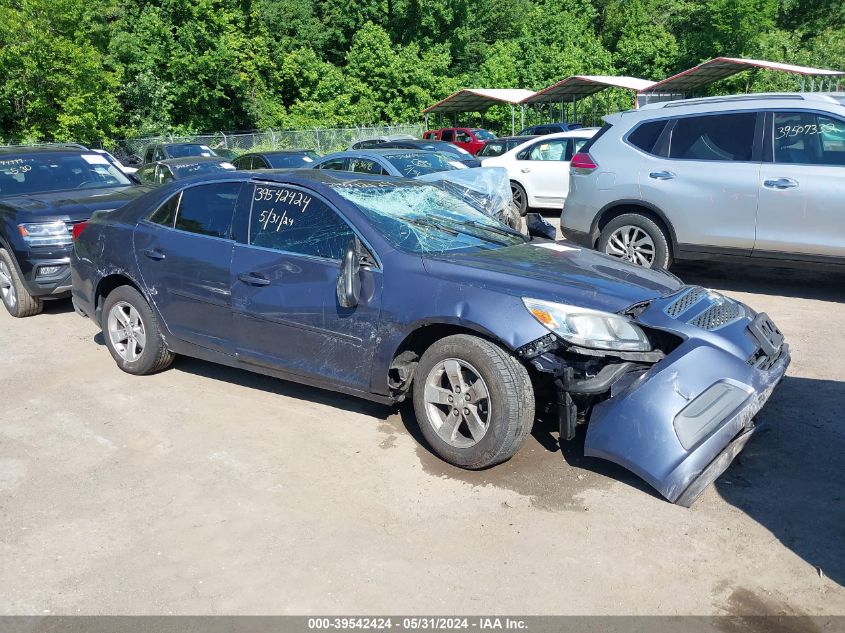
column 636, row 239
column 16, row 298
column 473, row 400
column 132, row 333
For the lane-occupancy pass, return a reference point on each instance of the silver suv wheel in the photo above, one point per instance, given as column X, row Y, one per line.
column 632, row 244
column 7, row 286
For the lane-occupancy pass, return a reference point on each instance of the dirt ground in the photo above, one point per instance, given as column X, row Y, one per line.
column 207, row 490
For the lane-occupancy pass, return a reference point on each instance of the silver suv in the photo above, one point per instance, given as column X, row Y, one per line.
column 761, row 177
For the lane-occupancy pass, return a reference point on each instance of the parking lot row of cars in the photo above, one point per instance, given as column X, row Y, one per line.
column 387, row 273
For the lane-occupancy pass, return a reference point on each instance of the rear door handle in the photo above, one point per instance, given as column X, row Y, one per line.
column 780, row 183
column 153, row 253
column 254, row 279
column 525, row 170
column 661, row 175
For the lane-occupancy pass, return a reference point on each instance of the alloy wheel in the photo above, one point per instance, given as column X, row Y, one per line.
column 7, row 286
column 126, row 331
column 457, row 402
column 518, row 197
column 632, row 244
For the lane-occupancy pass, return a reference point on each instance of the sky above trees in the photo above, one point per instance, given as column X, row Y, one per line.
column 92, row 70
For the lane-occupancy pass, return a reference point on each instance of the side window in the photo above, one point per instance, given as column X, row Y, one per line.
column 163, row 174
column 148, row 154
column 722, row 137
column 577, row 144
column 553, row 149
column 258, row 162
column 146, row 174
column 365, row 166
column 806, row 138
column 166, row 213
column 447, row 135
column 336, row 163
column 208, row 209
column 294, row 221
column 646, row 135
column 462, row 136
column 158, row 154
column 245, row 162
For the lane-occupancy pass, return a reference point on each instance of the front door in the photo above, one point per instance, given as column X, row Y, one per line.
column 802, row 188
column 706, row 184
column 184, row 251
column 286, row 310
column 543, row 168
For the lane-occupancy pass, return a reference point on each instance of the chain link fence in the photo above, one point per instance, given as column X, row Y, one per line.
column 321, row 140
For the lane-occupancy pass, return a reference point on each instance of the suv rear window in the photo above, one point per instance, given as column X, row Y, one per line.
column 721, row 137
column 645, row 135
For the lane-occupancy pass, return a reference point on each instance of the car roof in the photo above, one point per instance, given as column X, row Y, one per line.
column 520, row 139
column 375, row 153
column 753, row 101
column 191, row 160
column 41, row 149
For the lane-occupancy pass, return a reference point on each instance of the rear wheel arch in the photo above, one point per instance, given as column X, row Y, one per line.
column 614, row 210
column 107, row 285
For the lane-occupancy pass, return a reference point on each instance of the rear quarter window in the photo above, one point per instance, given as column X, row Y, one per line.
column 646, row 135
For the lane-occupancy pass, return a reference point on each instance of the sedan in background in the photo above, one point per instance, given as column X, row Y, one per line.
column 376, row 141
column 499, row 146
column 448, row 149
column 539, row 169
column 279, row 159
column 392, row 289
column 172, row 169
column 550, row 128
column 408, row 163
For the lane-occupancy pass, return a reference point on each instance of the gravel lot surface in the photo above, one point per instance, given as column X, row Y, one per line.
column 207, row 490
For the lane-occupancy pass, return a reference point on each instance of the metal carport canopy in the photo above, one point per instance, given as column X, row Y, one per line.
column 478, row 99
column 580, row 86
column 722, row 67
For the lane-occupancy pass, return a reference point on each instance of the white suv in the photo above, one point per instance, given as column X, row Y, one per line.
column 539, row 168
column 760, row 177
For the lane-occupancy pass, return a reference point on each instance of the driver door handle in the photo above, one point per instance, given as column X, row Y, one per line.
column 661, row 175
column 254, row 279
column 780, row 183
column 525, row 170
column 154, row 254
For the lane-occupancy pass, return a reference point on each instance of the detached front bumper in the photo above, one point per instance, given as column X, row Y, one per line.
column 680, row 424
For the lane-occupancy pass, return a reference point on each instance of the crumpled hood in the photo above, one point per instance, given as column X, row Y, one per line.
column 556, row 271
column 71, row 205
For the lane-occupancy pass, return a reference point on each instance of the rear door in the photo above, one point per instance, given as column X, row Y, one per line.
column 702, row 173
column 802, row 187
column 286, row 310
column 184, row 252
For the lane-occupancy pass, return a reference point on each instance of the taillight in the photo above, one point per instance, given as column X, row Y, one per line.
column 583, row 161
column 77, row 229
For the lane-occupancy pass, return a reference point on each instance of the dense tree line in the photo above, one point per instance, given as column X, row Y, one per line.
column 96, row 69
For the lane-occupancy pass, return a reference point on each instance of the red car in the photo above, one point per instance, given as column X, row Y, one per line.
column 471, row 139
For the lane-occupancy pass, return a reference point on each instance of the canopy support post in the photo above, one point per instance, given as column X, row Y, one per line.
column 522, row 116
column 574, row 109
column 513, row 119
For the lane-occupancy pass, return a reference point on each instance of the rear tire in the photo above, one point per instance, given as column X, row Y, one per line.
column 19, row 303
column 637, row 239
column 132, row 333
column 488, row 388
column 520, row 198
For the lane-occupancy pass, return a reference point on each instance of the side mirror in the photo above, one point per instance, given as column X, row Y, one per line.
column 349, row 281
column 538, row 226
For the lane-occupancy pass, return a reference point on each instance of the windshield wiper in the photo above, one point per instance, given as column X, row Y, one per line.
column 501, row 230
column 431, row 225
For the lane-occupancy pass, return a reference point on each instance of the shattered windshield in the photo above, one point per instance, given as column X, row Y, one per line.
column 413, row 164
column 422, row 218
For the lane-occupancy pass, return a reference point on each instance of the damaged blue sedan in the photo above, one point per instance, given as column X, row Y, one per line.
column 390, row 289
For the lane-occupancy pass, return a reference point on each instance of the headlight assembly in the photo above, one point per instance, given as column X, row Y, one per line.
column 589, row 328
column 45, row 234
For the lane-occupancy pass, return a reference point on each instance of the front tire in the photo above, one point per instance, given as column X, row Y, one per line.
column 473, row 400
column 19, row 303
column 132, row 333
column 636, row 239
